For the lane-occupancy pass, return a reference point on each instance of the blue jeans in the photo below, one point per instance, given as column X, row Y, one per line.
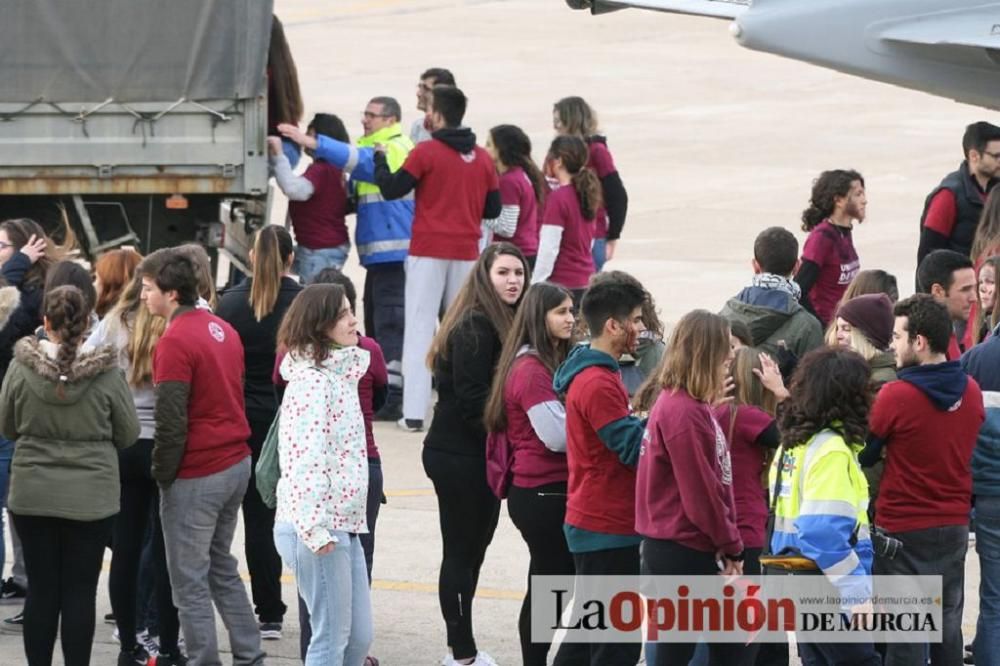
column 599, row 251
column 6, row 453
column 987, row 644
column 310, row 262
column 335, row 589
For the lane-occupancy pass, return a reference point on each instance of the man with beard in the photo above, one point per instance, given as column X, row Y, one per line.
column 952, row 210
column 949, row 277
column 927, row 421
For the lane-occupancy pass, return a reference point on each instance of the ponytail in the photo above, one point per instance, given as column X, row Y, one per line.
column 271, row 252
column 588, row 191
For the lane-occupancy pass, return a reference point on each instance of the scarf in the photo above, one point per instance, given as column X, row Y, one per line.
column 772, row 281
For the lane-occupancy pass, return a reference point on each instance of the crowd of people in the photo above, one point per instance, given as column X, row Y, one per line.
column 142, row 410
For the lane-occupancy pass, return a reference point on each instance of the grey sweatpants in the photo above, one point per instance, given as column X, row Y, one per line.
column 199, row 520
column 431, row 286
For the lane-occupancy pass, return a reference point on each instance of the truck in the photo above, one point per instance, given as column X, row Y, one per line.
column 137, row 122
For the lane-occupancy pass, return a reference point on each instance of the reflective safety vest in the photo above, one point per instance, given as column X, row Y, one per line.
column 384, row 227
column 822, row 510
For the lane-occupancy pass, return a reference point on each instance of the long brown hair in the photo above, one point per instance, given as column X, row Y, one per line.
column 479, row 294
column 576, row 117
column 115, row 269
column 994, row 263
column 530, row 328
column 987, row 238
column 68, row 317
column 314, row 311
column 272, row 254
column 747, row 387
column 826, row 189
column 514, row 149
column 573, row 152
column 831, row 388
column 698, row 347
column 19, row 232
column 285, row 97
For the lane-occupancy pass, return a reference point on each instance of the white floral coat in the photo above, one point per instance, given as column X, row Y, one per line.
column 321, row 447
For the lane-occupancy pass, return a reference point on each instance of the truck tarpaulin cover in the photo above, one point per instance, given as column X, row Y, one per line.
column 133, row 50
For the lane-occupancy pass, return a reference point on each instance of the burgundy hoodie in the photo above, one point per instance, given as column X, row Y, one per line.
column 684, row 488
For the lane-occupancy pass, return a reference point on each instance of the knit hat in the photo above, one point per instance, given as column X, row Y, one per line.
column 872, row 315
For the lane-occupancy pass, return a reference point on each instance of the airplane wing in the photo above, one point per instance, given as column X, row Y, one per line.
column 975, row 27
column 723, row 9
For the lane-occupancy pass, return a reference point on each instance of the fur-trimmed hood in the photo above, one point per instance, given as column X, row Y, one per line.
column 10, row 298
column 44, row 377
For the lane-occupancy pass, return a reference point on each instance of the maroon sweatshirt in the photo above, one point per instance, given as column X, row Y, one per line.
column 684, row 488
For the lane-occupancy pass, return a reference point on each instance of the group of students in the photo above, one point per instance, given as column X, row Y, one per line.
column 427, row 203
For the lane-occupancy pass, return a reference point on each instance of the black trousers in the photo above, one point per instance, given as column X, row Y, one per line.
column 139, row 513
column 468, row 513
column 668, row 558
column 613, row 562
column 385, row 319
column 538, row 513
column 263, row 560
column 63, row 561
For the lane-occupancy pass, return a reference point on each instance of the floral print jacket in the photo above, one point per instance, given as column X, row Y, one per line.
column 321, row 447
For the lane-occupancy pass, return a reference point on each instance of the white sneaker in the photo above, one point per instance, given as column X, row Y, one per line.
column 448, row 660
column 484, row 659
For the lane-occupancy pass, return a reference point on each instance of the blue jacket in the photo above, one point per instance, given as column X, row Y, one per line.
column 982, row 362
column 384, row 227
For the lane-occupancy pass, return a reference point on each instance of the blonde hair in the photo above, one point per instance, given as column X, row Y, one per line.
column 576, row 117
column 144, row 329
column 272, row 252
column 859, row 343
column 699, row 345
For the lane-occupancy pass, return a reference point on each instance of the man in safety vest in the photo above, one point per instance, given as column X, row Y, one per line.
column 383, row 230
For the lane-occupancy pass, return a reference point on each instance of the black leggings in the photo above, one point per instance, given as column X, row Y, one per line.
column 263, row 560
column 140, row 512
column 63, row 561
column 469, row 513
column 538, row 513
column 669, row 558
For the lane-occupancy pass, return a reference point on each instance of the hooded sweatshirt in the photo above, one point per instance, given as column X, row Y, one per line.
column 928, row 420
column 602, row 447
column 456, row 187
column 773, row 315
column 982, row 362
column 68, row 428
column 321, row 447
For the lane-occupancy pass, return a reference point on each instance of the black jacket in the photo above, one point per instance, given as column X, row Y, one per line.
column 28, row 314
column 463, row 383
column 259, row 342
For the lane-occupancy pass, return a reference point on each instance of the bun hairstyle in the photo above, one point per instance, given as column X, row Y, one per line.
column 573, row 152
column 68, row 316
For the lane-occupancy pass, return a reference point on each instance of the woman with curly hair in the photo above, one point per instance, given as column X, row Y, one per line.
column 822, row 495
column 829, row 260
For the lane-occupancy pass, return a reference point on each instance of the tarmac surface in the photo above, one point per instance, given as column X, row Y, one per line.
column 713, row 142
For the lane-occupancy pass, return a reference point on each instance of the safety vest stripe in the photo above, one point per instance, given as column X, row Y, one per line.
column 376, row 197
column 828, row 508
column 352, row 158
column 844, row 567
column 384, row 246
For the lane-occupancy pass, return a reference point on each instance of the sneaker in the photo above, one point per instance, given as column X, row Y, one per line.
column 484, row 659
column 151, row 644
column 411, row 425
column 167, row 659
column 115, row 636
column 11, row 592
column 135, row 656
column 389, row 412
column 270, row 631
column 110, row 619
column 13, row 625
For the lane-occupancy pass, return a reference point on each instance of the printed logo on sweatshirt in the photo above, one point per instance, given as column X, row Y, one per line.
column 216, row 331
column 469, row 157
column 722, row 453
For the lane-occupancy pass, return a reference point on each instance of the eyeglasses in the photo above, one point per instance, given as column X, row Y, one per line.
column 368, row 115
column 995, row 156
column 4, row 246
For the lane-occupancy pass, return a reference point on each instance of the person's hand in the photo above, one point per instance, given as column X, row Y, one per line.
column 35, row 248
column 328, row 548
column 728, row 388
column 274, row 145
column 609, row 249
column 728, row 567
column 380, row 148
column 292, row 132
column 770, row 376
